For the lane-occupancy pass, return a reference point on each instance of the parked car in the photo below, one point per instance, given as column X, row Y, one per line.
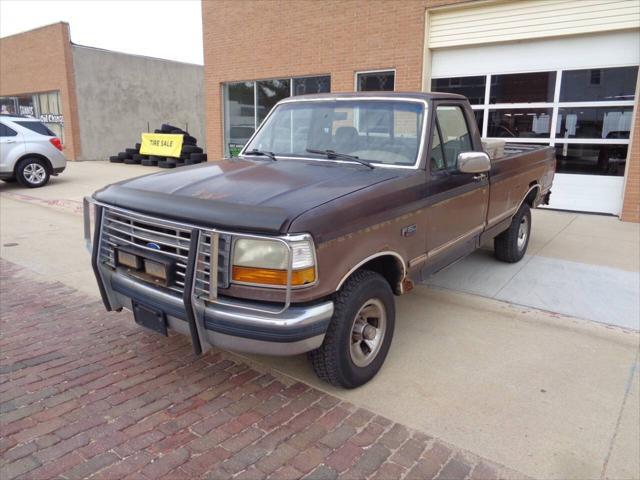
column 337, row 203
column 29, row 152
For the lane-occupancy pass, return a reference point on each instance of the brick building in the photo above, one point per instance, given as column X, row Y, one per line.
column 562, row 73
column 93, row 99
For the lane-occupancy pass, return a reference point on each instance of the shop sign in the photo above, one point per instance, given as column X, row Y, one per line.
column 161, row 144
column 52, row 118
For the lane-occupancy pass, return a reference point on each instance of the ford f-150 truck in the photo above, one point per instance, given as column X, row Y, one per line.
column 337, row 203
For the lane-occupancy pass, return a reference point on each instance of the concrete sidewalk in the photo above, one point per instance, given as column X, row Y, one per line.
column 548, row 395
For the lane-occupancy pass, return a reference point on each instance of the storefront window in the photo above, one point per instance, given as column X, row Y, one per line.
column 247, row 104
column 46, row 106
column 376, row 81
column 471, row 87
column 271, row 92
column 598, row 84
column 588, row 139
column 309, row 85
column 601, row 122
column 578, row 158
column 522, row 87
column 239, row 109
column 515, row 122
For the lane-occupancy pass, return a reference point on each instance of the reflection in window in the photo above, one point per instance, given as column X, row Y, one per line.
column 603, row 122
column 239, row 116
column 309, row 85
column 522, row 87
column 471, row 87
column 376, row 81
column 598, row 84
column 271, row 92
column 591, row 159
column 479, row 115
column 455, row 136
column 515, row 122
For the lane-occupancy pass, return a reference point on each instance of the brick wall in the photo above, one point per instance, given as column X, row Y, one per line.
column 631, row 200
column 242, row 41
column 39, row 61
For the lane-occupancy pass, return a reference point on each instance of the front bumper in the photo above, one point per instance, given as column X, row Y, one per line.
column 227, row 323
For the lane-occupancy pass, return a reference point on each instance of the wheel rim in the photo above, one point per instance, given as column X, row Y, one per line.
column 368, row 332
column 34, row 173
column 523, row 232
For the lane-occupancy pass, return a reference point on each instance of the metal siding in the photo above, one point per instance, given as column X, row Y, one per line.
column 528, row 19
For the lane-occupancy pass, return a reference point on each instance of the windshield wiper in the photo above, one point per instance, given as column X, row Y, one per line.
column 255, row 151
column 331, row 154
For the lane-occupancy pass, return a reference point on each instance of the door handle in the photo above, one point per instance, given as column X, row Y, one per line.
column 479, row 177
column 10, row 141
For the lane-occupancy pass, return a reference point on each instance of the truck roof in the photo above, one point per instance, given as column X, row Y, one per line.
column 391, row 95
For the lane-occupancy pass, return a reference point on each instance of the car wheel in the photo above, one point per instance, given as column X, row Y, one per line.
column 511, row 245
column 32, row 172
column 360, row 333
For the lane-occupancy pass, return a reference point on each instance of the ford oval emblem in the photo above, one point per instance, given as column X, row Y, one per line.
column 155, row 246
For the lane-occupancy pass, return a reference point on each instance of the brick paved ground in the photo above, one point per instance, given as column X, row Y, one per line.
column 85, row 393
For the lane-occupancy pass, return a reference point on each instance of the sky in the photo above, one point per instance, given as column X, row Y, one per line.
column 170, row 29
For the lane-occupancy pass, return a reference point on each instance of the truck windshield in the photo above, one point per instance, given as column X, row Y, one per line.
column 383, row 132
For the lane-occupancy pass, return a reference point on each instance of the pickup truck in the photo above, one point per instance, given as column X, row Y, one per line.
column 337, row 203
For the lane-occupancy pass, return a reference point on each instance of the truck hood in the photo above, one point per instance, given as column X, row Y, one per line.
column 244, row 195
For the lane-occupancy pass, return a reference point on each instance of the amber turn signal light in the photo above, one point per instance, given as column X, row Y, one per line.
column 267, row 276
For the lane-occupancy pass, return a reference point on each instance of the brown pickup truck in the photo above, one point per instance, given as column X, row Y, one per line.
column 336, row 204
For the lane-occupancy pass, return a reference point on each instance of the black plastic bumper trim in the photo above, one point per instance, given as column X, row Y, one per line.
column 266, row 334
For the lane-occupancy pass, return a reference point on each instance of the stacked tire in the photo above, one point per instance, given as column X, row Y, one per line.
column 190, row 154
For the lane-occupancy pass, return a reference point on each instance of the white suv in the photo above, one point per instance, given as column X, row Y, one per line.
column 29, row 152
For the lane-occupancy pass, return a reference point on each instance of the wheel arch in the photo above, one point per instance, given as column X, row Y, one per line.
column 34, row 155
column 388, row 263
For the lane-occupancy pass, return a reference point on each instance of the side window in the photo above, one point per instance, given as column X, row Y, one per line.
column 455, row 135
column 6, row 131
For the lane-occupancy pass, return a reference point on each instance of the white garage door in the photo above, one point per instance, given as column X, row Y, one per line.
column 575, row 93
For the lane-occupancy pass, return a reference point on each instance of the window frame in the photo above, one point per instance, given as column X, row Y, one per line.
column 424, row 141
column 436, row 124
column 380, row 70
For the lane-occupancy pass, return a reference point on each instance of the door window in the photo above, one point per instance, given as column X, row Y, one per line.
column 455, row 138
column 6, row 131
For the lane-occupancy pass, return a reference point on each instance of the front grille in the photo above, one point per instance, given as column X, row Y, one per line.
column 124, row 229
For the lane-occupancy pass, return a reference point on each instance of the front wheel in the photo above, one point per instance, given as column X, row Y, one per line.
column 32, row 172
column 360, row 333
column 511, row 245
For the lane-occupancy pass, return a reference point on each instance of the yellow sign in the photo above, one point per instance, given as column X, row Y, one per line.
column 161, row 144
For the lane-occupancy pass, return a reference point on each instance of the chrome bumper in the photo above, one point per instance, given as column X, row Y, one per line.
column 228, row 323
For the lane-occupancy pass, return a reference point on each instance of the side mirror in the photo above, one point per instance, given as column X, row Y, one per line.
column 474, row 162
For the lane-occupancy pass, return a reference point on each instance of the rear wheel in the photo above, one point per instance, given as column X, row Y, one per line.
column 360, row 333
column 32, row 172
column 511, row 245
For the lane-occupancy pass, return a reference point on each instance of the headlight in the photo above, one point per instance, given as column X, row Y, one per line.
column 265, row 262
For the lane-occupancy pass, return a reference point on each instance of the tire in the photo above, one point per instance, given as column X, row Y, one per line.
column 191, row 149
column 335, row 361
column 32, row 172
column 147, row 162
column 189, row 140
column 132, row 161
column 137, row 147
column 511, row 245
column 123, row 155
column 115, row 159
column 130, row 151
column 166, row 164
column 198, row 157
column 166, row 128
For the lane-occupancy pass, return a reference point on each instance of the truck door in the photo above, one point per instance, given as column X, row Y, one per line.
column 457, row 202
